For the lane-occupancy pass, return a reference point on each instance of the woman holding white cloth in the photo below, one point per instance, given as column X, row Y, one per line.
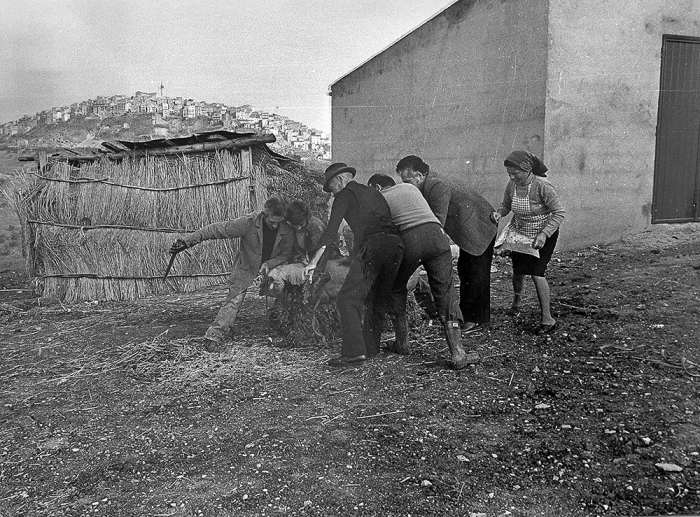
column 533, row 231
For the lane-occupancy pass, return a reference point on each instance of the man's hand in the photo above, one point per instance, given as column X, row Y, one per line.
column 539, row 241
column 264, row 269
column 495, row 217
column 178, row 246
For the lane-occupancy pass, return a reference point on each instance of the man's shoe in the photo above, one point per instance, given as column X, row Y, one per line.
column 513, row 311
column 343, row 361
column 470, row 327
column 212, row 345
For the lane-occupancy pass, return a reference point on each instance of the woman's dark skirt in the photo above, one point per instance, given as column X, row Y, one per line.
column 524, row 264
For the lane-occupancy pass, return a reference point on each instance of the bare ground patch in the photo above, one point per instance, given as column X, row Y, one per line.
column 113, row 409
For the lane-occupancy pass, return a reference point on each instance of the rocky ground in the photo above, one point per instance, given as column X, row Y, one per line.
column 113, row 409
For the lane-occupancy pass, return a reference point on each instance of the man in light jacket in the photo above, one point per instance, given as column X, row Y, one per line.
column 266, row 241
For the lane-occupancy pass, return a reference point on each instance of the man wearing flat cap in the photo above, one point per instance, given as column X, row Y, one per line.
column 377, row 254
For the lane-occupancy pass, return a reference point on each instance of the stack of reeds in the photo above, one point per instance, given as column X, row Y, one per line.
column 102, row 231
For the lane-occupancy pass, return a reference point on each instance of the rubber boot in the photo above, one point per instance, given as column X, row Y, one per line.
column 400, row 345
column 460, row 358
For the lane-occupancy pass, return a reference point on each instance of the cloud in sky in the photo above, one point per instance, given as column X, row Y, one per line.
column 277, row 54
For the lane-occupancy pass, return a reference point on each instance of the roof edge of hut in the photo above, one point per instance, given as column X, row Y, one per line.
column 209, row 141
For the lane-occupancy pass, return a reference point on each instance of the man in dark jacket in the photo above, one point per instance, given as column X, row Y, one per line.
column 466, row 217
column 377, row 253
column 266, row 242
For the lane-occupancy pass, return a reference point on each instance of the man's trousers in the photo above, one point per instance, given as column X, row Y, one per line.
column 364, row 297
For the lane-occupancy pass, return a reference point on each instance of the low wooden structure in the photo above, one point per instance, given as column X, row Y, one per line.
column 98, row 226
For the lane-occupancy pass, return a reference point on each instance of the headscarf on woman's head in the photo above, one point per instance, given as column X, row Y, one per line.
column 526, row 161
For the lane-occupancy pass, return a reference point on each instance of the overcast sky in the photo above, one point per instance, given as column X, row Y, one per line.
column 280, row 55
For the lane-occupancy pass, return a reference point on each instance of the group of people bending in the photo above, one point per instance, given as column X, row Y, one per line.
column 397, row 228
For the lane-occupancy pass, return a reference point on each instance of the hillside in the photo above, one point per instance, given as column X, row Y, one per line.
column 91, row 131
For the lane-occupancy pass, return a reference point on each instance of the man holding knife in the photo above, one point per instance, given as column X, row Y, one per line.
column 266, row 242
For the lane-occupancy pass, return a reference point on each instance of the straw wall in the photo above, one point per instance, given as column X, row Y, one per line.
column 102, row 231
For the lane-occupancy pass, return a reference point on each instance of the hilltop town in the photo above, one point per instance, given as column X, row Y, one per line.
column 144, row 116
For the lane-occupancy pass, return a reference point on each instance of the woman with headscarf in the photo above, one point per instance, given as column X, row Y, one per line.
column 532, row 233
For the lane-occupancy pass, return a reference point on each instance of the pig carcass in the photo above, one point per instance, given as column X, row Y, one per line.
column 325, row 286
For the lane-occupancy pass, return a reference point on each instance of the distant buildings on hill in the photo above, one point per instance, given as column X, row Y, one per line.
column 164, row 109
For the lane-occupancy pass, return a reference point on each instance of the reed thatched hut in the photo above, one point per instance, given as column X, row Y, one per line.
column 98, row 226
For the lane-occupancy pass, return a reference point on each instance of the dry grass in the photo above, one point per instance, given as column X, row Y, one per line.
column 119, row 203
column 180, row 364
column 175, row 364
column 302, row 183
column 139, row 261
column 75, row 352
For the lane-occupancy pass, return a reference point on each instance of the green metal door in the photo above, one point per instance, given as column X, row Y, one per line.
column 676, row 197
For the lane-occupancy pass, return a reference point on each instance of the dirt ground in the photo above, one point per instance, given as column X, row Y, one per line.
column 111, row 409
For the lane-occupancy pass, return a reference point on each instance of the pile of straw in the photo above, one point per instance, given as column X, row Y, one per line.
column 197, row 372
column 298, row 182
column 182, row 365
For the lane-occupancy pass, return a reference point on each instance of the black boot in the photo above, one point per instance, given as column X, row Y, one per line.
column 460, row 358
